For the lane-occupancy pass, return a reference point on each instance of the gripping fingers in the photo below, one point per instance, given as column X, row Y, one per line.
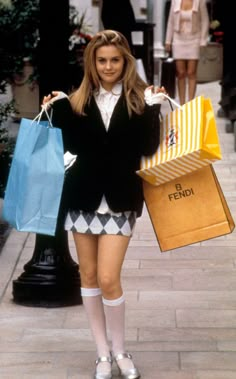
column 46, row 99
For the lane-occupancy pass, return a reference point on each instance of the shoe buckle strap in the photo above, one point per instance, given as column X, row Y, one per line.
column 120, row 356
column 103, row 359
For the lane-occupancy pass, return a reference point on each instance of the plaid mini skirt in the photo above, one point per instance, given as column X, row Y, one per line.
column 96, row 223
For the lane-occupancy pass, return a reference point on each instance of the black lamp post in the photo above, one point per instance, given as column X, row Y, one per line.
column 51, row 277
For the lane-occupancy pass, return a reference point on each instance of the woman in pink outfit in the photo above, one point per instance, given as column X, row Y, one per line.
column 187, row 30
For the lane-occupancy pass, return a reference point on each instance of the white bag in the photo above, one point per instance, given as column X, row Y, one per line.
column 140, row 69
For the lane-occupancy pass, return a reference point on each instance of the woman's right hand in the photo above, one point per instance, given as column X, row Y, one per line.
column 168, row 47
column 54, row 96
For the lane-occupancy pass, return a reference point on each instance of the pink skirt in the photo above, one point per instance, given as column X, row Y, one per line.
column 186, row 46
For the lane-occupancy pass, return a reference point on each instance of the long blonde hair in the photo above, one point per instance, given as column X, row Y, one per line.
column 133, row 85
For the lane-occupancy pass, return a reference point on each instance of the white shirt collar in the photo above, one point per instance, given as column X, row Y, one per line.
column 116, row 90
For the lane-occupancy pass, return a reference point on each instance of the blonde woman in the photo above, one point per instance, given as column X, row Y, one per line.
column 109, row 123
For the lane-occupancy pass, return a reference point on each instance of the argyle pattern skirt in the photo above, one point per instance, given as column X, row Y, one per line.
column 97, row 223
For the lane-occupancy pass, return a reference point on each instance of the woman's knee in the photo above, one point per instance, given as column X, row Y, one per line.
column 108, row 284
column 88, row 277
column 181, row 75
column 191, row 74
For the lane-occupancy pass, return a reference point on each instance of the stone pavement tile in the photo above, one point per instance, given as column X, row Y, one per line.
column 144, row 236
column 17, row 239
column 202, row 318
column 46, row 364
column 226, row 345
column 30, row 241
column 13, row 315
column 203, row 252
column 177, row 346
column 53, row 374
column 73, row 374
column 224, row 243
column 145, row 280
column 150, row 362
column 9, row 258
column 186, row 263
column 212, row 374
column 130, row 264
column 146, row 252
column 187, row 299
column 40, row 345
column 207, row 280
column 76, row 318
column 154, row 317
column 208, row 360
column 169, row 374
column 131, row 298
column 25, row 257
column 145, row 243
column 216, row 335
column 19, row 363
column 31, row 321
column 36, row 375
column 9, row 334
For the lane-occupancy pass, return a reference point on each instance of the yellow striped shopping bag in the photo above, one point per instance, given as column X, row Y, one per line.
column 189, row 141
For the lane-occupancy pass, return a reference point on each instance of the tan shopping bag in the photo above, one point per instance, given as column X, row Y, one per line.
column 210, row 65
column 189, row 209
column 189, row 141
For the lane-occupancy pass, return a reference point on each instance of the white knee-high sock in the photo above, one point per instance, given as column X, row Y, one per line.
column 92, row 301
column 115, row 317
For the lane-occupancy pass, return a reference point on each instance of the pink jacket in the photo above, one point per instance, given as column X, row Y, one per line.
column 200, row 20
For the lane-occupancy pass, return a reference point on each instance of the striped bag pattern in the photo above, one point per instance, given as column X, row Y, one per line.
column 189, row 141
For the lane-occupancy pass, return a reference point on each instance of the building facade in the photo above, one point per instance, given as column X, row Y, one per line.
column 152, row 11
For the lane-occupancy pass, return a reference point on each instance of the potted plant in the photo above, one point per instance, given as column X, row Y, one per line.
column 79, row 37
column 19, row 36
column 19, row 42
column 6, row 144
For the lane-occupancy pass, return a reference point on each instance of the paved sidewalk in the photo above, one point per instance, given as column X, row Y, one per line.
column 181, row 305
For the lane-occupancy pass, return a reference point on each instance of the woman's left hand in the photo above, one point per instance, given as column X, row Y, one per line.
column 153, row 95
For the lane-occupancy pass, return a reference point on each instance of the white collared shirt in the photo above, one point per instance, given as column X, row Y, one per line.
column 106, row 101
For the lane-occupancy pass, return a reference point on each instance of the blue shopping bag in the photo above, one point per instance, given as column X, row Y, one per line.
column 34, row 187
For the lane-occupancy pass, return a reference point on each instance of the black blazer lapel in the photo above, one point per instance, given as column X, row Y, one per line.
column 120, row 114
column 94, row 115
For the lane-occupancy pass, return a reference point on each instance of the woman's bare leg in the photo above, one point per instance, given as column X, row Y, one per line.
column 100, row 260
column 87, row 250
column 192, row 78
column 181, row 72
column 111, row 253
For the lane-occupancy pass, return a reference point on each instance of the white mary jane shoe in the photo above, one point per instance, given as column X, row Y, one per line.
column 100, row 375
column 131, row 373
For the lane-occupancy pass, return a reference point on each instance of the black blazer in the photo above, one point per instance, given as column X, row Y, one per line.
column 107, row 160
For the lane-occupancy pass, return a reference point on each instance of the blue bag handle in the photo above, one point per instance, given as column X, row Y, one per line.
column 39, row 116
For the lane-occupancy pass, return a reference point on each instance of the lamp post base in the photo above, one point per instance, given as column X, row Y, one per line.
column 51, row 278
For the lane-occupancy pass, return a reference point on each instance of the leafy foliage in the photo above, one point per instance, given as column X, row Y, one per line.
column 6, row 144
column 19, row 36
